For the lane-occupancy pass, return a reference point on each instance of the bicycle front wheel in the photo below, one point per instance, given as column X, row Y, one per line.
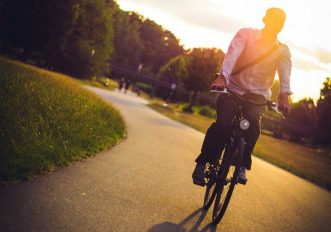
column 210, row 189
column 227, row 182
column 212, row 176
column 209, row 196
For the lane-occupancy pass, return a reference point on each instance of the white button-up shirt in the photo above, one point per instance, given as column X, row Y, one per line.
column 244, row 48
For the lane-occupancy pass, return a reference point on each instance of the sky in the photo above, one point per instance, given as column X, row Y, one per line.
column 213, row 23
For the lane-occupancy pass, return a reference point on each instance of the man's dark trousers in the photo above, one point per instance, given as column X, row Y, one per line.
column 220, row 130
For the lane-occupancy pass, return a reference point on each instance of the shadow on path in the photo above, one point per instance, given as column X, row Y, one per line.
column 169, row 226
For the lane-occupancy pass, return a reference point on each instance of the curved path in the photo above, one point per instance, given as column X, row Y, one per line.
column 144, row 184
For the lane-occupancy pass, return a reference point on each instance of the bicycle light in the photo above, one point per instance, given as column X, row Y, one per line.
column 244, row 124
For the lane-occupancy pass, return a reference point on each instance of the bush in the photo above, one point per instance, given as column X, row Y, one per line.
column 48, row 120
column 182, row 107
column 106, row 82
column 144, row 87
column 206, row 111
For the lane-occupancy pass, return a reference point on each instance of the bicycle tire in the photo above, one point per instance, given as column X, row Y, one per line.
column 211, row 187
column 220, row 207
column 209, row 196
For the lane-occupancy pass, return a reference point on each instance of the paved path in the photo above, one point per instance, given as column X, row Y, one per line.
column 144, row 184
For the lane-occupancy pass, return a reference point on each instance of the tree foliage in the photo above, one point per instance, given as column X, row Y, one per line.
column 36, row 27
column 324, row 114
column 203, row 63
column 59, row 33
column 304, row 111
column 127, row 42
column 159, row 45
column 89, row 45
column 175, row 70
column 302, row 120
column 82, row 37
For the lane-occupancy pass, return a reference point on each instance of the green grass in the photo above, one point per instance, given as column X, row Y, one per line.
column 198, row 122
column 48, row 120
column 302, row 161
column 101, row 82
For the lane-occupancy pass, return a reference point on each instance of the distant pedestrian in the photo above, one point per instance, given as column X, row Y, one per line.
column 140, row 67
column 135, row 89
column 121, row 84
column 126, row 85
column 172, row 92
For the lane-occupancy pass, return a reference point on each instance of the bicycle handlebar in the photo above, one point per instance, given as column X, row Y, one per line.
column 273, row 106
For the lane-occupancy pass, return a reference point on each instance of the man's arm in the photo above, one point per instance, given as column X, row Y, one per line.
column 284, row 73
column 236, row 47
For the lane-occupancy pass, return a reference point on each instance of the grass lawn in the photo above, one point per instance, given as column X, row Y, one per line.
column 100, row 82
column 48, row 120
column 300, row 160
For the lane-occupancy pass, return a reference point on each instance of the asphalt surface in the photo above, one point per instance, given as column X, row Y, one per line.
column 144, row 184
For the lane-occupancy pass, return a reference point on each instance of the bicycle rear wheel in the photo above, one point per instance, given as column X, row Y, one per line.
column 227, row 182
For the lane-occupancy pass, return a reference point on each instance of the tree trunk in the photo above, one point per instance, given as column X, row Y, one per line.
column 192, row 101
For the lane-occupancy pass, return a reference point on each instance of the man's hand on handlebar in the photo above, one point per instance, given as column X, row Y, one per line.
column 219, row 82
column 284, row 103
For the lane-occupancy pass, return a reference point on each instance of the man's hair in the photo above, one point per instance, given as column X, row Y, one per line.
column 276, row 13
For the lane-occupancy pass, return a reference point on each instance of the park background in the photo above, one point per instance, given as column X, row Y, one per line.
column 98, row 40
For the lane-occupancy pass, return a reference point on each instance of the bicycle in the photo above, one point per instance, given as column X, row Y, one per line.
column 222, row 177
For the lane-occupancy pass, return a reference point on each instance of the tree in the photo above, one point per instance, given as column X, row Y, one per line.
column 203, row 63
column 159, row 45
column 174, row 70
column 35, row 28
column 89, row 45
column 74, row 36
column 128, row 46
column 302, row 120
column 324, row 114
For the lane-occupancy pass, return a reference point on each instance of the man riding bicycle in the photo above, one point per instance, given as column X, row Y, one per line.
column 248, row 69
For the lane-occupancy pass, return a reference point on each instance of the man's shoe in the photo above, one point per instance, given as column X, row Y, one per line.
column 199, row 175
column 242, row 179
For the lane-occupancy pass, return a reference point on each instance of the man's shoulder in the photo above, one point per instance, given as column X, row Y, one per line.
column 248, row 30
